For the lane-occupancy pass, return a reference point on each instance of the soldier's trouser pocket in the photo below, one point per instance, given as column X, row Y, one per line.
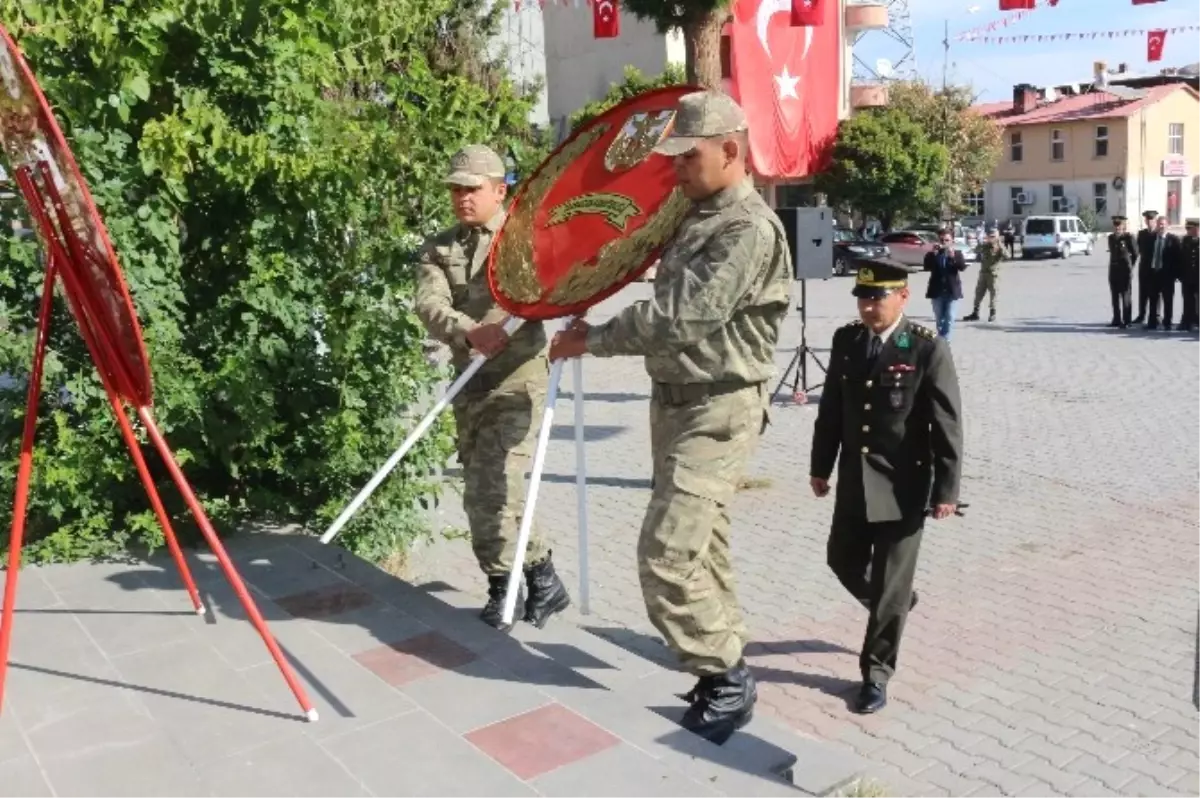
column 683, row 552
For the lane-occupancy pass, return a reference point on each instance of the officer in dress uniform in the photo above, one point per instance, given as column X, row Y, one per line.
column 1189, row 276
column 1147, row 287
column 890, row 417
column 499, row 412
column 1122, row 257
column 708, row 337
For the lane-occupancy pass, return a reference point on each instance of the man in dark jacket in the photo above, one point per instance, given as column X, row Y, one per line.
column 1165, row 255
column 890, row 416
column 1189, row 276
column 945, row 285
column 1145, row 247
column 1122, row 257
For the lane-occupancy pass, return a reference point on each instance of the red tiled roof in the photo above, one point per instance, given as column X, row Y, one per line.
column 1096, row 105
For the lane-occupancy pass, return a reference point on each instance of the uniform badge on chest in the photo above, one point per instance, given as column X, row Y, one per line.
column 896, row 398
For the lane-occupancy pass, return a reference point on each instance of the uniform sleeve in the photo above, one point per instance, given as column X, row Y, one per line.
column 941, row 391
column 827, row 430
column 435, row 306
column 698, row 301
column 1133, row 251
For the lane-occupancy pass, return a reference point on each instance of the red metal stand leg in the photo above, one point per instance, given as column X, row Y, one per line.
column 135, row 451
column 235, row 580
column 24, row 471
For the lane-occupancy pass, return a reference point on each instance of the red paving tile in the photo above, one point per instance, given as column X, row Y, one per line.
column 414, row 658
column 542, row 740
column 325, row 602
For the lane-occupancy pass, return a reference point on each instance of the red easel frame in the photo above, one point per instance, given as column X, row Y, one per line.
column 65, row 255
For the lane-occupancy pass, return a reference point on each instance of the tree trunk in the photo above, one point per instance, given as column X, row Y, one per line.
column 702, row 47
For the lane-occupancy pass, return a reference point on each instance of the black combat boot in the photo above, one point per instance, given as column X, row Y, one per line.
column 724, row 703
column 547, row 594
column 973, row 317
column 493, row 612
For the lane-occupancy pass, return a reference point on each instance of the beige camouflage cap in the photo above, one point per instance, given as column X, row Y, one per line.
column 702, row 115
column 473, row 165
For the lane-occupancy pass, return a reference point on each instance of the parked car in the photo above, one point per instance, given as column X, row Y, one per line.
column 1056, row 235
column 849, row 246
column 910, row 246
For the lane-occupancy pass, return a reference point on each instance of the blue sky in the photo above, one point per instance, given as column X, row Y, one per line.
column 993, row 68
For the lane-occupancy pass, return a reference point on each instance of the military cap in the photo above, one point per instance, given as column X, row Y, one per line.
column 1119, row 219
column 474, row 165
column 701, row 115
column 1192, row 223
column 878, row 277
column 1149, row 214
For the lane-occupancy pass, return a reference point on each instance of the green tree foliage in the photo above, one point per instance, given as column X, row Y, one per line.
column 700, row 21
column 884, row 165
column 973, row 142
column 266, row 170
column 634, row 84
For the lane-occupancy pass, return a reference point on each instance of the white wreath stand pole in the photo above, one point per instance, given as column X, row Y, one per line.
column 535, row 480
column 510, row 326
column 581, row 487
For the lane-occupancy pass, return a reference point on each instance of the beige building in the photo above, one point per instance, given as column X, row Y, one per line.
column 1115, row 151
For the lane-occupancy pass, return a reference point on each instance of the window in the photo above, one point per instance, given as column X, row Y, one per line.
column 1016, row 150
column 1101, row 141
column 1058, row 199
column 1039, row 227
column 974, row 204
column 1175, row 138
column 1015, row 206
column 1100, row 198
column 1058, row 145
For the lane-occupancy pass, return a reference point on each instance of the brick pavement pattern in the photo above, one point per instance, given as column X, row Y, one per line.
column 1055, row 647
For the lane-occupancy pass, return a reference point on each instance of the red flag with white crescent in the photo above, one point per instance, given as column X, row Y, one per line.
column 1017, row 5
column 784, row 76
column 1155, row 41
column 606, row 22
column 808, row 12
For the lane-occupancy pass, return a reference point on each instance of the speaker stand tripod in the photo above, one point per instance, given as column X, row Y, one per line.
column 797, row 368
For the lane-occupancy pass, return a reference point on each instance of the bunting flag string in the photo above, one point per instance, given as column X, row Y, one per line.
column 1093, row 35
column 993, row 26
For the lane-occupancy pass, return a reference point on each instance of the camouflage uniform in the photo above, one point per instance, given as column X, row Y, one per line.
column 499, row 412
column 708, row 337
column 990, row 255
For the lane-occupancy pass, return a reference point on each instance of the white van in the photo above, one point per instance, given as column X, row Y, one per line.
column 1057, row 235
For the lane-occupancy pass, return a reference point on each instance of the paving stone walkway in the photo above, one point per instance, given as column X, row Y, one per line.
column 1055, row 647
column 117, row 688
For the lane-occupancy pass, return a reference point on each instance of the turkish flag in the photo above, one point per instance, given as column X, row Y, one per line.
column 788, row 80
column 1017, row 5
column 1155, row 40
column 808, row 12
column 606, row 22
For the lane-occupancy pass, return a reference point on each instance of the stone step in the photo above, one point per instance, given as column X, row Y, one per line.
column 633, row 697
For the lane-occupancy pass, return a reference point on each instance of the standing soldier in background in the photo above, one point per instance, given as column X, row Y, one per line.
column 991, row 252
column 1189, row 276
column 499, row 411
column 1122, row 257
column 891, row 418
column 708, row 336
column 1147, row 289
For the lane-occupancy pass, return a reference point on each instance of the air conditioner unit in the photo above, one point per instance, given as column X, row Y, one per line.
column 1026, row 198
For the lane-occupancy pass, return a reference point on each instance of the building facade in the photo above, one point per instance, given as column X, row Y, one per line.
column 1115, row 151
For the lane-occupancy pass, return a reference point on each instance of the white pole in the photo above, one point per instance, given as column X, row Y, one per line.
column 581, row 487
column 510, row 325
column 531, row 494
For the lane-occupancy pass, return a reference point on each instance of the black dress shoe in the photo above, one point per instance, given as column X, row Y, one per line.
column 547, row 595
column 913, row 601
column 871, row 698
column 721, row 704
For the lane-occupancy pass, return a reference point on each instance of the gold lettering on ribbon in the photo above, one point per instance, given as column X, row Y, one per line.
column 616, row 209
